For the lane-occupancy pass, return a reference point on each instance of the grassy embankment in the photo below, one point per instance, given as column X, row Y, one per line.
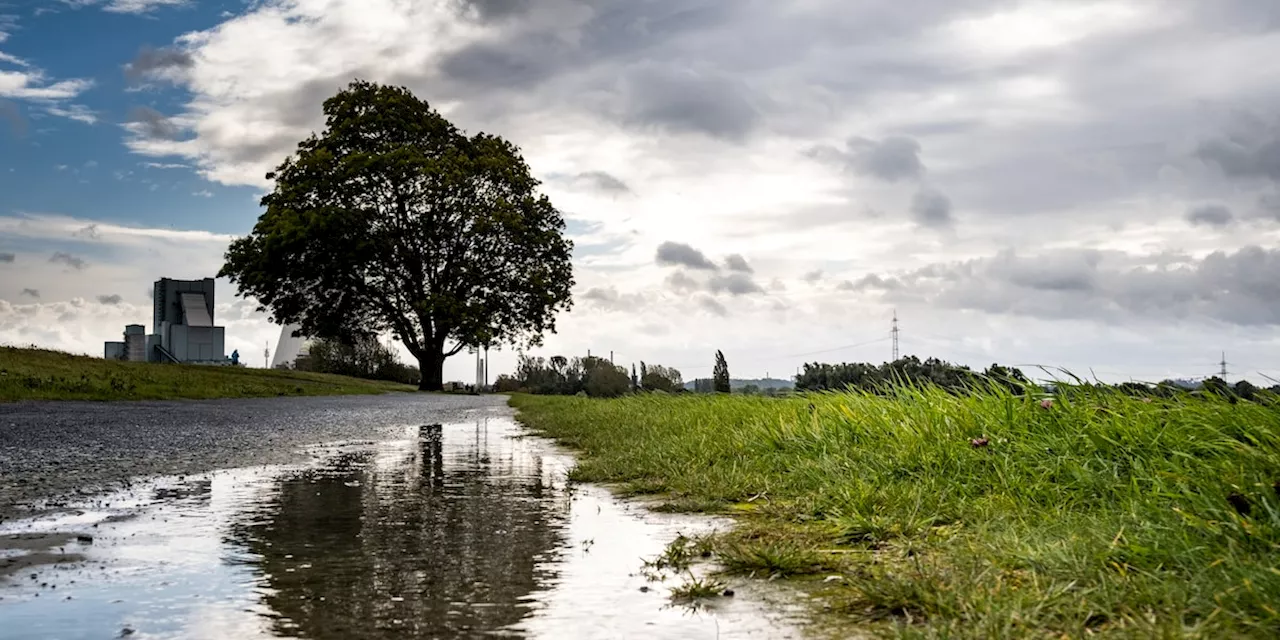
column 1098, row 515
column 35, row 374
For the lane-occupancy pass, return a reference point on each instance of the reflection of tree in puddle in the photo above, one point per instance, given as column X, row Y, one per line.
column 440, row 541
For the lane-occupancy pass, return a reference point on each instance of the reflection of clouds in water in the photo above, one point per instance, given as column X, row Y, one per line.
column 471, row 533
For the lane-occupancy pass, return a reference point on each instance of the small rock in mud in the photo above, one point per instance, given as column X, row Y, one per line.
column 728, row 593
column 84, row 539
column 644, row 589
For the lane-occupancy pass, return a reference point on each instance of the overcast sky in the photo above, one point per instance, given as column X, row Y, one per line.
column 1088, row 185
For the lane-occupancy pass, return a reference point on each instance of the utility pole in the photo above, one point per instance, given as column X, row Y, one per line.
column 1223, row 373
column 611, row 356
column 895, row 335
column 266, row 355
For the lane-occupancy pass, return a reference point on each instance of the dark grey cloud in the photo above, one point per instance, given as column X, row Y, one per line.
column 69, row 260
column 681, row 100
column 151, row 61
column 7, row 257
column 737, row 284
column 735, row 262
column 891, row 159
column 33, row 293
column 602, row 181
column 491, row 10
column 154, row 124
column 90, row 232
column 931, row 208
column 676, row 254
column 112, row 299
column 1213, row 215
column 1248, row 148
column 813, row 276
column 1240, row 287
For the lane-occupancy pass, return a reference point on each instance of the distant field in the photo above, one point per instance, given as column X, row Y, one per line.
column 984, row 516
column 36, row 374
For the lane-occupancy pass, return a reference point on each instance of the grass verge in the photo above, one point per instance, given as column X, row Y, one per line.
column 981, row 516
column 36, row 374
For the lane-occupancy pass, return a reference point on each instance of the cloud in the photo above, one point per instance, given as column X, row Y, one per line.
column 7, row 257
column 712, row 306
column 869, row 282
column 203, row 193
column 1250, row 150
column 153, row 124
column 33, row 85
column 813, row 276
column 62, row 257
column 681, row 282
column 166, row 62
column 737, row 284
column 688, row 101
column 33, row 293
column 735, row 262
column 892, row 159
column 136, row 7
column 165, row 165
column 77, row 112
column 931, row 208
column 603, row 182
column 112, row 299
column 1213, row 215
column 609, row 299
column 89, row 231
column 675, row 254
column 1239, row 287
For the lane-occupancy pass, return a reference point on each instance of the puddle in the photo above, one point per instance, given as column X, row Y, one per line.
column 461, row 531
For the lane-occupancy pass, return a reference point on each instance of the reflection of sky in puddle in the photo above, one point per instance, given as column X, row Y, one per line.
column 458, row 532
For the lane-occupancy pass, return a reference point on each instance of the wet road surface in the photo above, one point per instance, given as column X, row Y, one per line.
column 468, row 530
column 51, row 448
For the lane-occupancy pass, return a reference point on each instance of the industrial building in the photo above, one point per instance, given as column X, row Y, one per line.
column 182, row 329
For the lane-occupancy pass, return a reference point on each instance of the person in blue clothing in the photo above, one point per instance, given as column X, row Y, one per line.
column 235, row 357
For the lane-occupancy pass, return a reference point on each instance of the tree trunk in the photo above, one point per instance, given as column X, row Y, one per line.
column 432, row 368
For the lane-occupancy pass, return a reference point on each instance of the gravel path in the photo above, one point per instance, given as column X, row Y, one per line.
column 53, row 449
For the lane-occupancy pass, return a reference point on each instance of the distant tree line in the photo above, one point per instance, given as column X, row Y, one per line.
column 358, row 357
column 961, row 379
column 591, row 376
column 908, row 370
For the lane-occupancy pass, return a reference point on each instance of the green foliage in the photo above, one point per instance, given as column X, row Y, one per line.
column 660, row 378
column 364, row 357
column 720, row 375
column 695, row 588
column 908, row 370
column 595, row 377
column 392, row 220
column 35, row 374
column 982, row 514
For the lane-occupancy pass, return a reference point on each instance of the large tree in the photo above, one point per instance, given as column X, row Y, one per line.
column 392, row 220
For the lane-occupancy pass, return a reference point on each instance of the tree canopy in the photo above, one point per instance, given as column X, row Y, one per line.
column 392, row 220
column 720, row 375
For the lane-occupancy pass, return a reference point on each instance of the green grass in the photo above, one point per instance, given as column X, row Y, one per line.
column 1101, row 515
column 35, row 374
